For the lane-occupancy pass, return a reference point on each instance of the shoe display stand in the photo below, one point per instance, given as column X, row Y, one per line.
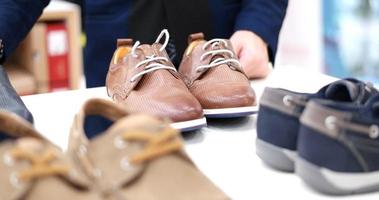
column 224, row 151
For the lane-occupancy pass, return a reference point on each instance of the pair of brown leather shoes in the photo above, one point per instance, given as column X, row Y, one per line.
column 210, row 81
column 137, row 157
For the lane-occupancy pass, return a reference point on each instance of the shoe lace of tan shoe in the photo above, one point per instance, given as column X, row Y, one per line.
column 157, row 145
column 41, row 165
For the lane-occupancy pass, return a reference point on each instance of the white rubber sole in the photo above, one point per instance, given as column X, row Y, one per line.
column 230, row 112
column 336, row 183
column 190, row 125
column 276, row 157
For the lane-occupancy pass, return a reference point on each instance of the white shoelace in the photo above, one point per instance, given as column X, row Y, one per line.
column 218, row 61
column 153, row 59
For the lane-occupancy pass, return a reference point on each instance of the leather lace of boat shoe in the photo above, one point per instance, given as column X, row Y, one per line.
column 338, row 147
column 137, row 157
column 279, row 113
column 215, row 77
column 142, row 78
column 34, row 169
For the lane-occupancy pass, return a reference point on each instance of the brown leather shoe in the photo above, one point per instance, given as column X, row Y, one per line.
column 142, row 78
column 34, row 169
column 215, row 77
column 138, row 157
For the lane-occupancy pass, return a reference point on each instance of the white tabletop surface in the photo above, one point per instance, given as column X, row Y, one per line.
column 224, row 151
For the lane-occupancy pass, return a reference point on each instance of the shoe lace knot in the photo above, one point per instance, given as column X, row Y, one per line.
column 41, row 165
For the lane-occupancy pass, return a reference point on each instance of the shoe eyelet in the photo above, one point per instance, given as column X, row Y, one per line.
column 374, row 132
column 97, row 173
column 8, row 160
column 82, row 150
column 15, row 181
column 125, row 164
column 119, row 143
column 330, row 122
column 287, row 100
column 73, row 174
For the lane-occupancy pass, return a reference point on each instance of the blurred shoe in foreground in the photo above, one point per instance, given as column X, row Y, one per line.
column 33, row 168
column 137, row 157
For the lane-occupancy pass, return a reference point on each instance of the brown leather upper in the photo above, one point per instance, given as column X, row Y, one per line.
column 71, row 185
column 106, row 159
column 160, row 93
column 224, row 86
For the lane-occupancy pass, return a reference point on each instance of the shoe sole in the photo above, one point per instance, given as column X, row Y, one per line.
column 336, row 183
column 191, row 125
column 278, row 158
column 230, row 112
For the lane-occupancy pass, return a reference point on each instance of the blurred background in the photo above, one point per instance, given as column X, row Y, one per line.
column 51, row 56
column 336, row 37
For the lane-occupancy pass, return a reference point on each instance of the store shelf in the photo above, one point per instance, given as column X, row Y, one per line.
column 34, row 54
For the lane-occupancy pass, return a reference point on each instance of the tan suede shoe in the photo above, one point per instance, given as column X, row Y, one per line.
column 143, row 78
column 215, row 77
column 138, row 157
column 34, row 169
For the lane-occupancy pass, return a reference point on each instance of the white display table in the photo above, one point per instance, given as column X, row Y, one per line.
column 224, row 151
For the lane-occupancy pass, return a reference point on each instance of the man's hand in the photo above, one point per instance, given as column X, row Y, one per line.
column 252, row 53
